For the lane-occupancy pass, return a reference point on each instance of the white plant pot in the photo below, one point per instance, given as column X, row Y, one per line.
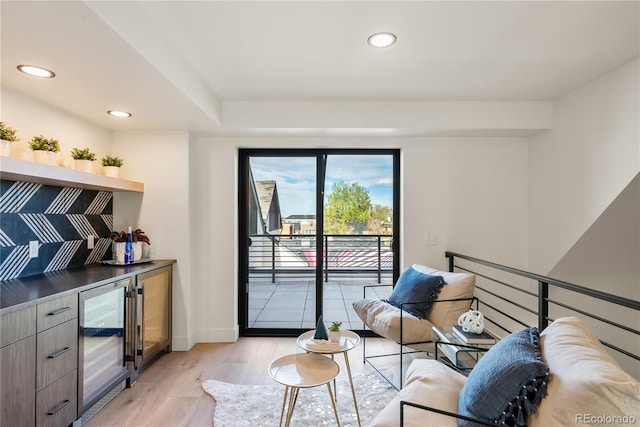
column 138, row 250
column 5, row 147
column 334, row 336
column 83, row 165
column 112, row 171
column 44, row 156
column 117, row 249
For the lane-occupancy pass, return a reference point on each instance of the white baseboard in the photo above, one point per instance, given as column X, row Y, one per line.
column 182, row 343
column 219, row 334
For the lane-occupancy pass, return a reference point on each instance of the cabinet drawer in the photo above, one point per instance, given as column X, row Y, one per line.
column 57, row 353
column 54, row 312
column 56, row 405
column 17, row 325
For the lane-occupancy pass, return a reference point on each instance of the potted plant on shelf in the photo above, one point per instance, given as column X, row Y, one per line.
column 111, row 165
column 83, row 159
column 44, row 149
column 334, row 331
column 7, row 136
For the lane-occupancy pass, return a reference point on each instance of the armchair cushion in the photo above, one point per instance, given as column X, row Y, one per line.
column 384, row 319
column 417, row 287
column 460, row 286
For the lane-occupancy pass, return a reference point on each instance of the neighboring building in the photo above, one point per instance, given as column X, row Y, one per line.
column 264, row 207
column 299, row 224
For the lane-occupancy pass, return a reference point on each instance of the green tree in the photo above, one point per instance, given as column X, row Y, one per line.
column 347, row 205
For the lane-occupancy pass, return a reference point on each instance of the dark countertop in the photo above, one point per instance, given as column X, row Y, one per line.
column 20, row 293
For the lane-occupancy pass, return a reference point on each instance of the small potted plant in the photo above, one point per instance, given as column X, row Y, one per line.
column 7, row 136
column 111, row 165
column 44, row 149
column 334, row 331
column 119, row 239
column 83, row 159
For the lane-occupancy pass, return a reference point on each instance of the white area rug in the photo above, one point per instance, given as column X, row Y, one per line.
column 260, row 405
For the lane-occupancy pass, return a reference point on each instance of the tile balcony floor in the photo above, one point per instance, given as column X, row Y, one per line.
column 291, row 303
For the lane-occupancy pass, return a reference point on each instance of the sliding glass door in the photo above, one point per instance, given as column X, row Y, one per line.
column 316, row 226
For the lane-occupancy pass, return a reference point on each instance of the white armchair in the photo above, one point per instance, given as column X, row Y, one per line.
column 396, row 324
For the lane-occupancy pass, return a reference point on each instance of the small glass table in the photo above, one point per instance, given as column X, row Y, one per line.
column 348, row 341
column 302, row 370
column 462, row 356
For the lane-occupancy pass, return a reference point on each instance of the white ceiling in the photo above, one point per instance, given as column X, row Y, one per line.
column 174, row 64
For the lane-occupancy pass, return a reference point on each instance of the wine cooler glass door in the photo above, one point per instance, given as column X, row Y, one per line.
column 103, row 341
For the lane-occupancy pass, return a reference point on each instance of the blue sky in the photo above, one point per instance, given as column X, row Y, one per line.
column 296, row 178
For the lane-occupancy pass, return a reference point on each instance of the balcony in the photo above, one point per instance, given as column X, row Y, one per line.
column 282, row 272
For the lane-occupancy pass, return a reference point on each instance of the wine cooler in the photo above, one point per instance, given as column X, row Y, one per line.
column 103, row 341
column 153, row 317
column 123, row 326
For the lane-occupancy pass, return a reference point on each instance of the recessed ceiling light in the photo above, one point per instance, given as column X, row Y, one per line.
column 116, row 113
column 32, row 70
column 381, row 40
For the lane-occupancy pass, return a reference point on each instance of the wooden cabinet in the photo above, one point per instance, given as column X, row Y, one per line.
column 40, row 377
column 18, row 368
column 38, row 364
column 57, row 362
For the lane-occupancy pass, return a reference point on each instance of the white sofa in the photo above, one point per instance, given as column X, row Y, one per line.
column 585, row 385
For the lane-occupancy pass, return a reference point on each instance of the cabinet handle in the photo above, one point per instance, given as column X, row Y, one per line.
column 58, row 311
column 58, row 353
column 58, row 407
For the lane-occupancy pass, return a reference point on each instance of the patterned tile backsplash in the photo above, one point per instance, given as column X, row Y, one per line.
column 60, row 219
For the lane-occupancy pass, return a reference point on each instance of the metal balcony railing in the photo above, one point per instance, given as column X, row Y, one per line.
column 294, row 255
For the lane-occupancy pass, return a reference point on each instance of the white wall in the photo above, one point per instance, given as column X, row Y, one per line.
column 578, row 204
column 580, row 166
column 471, row 192
column 161, row 161
column 30, row 117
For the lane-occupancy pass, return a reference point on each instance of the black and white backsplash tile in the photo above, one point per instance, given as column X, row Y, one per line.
column 60, row 219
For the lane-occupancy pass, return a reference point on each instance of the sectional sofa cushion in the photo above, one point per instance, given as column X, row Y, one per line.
column 508, row 382
column 585, row 381
column 428, row 383
column 416, row 287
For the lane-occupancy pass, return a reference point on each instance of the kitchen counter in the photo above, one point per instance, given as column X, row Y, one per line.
column 20, row 293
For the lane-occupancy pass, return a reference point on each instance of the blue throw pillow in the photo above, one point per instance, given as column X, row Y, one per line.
column 414, row 286
column 508, row 382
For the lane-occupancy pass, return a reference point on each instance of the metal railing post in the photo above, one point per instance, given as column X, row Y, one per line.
column 325, row 255
column 379, row 259
column 543, row 305
column 273, row 259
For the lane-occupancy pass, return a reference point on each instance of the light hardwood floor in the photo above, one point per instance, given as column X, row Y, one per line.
column 169, row 392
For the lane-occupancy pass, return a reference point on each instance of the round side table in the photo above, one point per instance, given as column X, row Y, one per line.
column 348, row 340
column 302, row 370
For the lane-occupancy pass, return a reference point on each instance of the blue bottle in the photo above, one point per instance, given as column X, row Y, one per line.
column 128, row 248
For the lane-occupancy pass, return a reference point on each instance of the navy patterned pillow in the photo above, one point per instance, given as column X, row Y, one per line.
column 508, row 382
column 414, row 286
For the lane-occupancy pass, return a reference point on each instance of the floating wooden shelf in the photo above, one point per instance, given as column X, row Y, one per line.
column 24, row 170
